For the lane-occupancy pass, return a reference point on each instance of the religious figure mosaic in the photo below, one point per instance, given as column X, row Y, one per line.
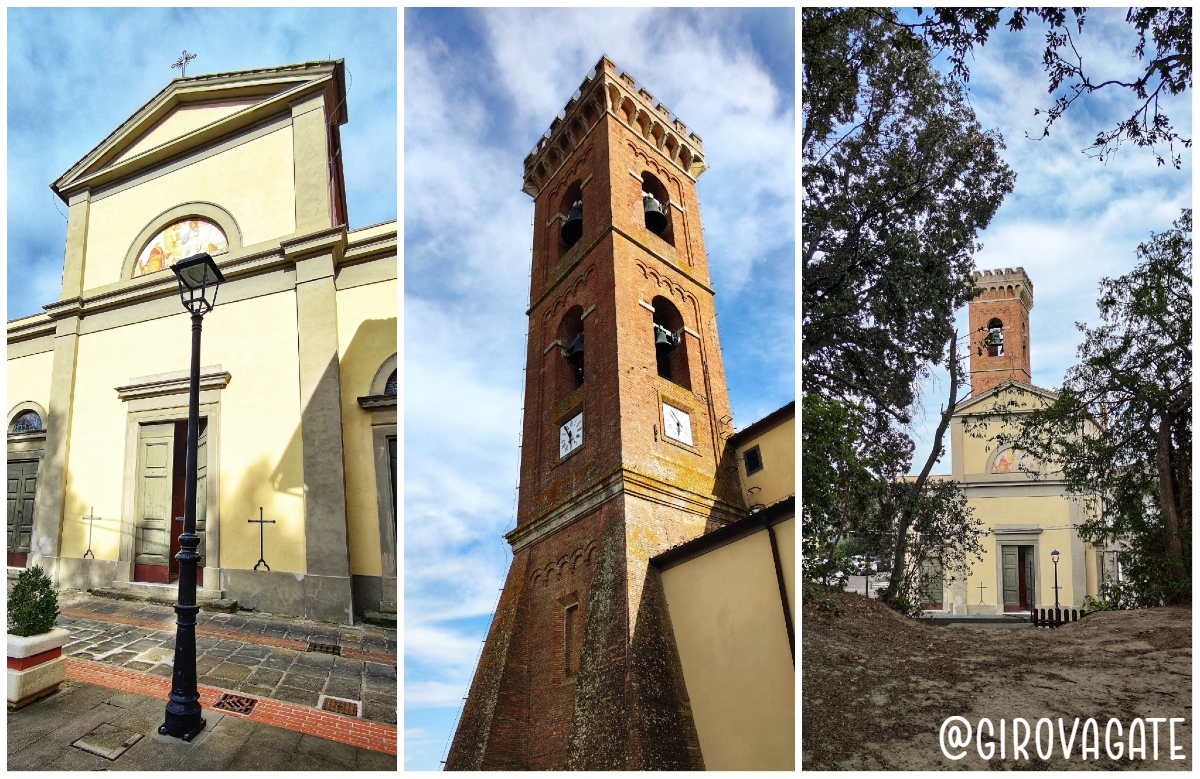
column 179, row 241
column 1016, row 461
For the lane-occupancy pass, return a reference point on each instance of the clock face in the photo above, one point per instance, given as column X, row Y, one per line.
column 570, row 435
column 677, row 424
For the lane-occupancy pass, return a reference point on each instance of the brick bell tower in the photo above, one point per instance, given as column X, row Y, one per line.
column 624, row 448
column 999, row 322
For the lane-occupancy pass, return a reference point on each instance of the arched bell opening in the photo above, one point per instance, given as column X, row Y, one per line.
column 994, row 340
column 656, row 207
column 570, row 354
column 571, row 207
column 670, row 346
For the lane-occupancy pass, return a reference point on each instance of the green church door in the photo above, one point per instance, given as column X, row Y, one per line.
column 152, row 530
column 1018, row 578
column 22, row 487
column 1012, row 578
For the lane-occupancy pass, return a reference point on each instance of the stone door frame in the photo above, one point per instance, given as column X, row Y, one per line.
column 164, row 398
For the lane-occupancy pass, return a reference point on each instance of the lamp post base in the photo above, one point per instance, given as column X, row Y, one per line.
column 186, row 728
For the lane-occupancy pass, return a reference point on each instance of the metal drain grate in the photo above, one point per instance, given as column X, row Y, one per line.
column 325, row 649
column 238, row 704
column 339, row 706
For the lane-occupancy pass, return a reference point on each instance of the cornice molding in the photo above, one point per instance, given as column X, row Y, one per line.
column 174, row 383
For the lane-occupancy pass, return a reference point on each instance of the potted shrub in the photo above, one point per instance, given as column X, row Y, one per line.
column 35, row 663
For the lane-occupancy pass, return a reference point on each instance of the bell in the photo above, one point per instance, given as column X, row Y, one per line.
column 574, row 352
column 573, row 227
column 663, row 338
column 656, row 214
column 994, row 338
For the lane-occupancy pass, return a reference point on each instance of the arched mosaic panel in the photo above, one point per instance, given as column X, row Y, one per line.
column 178, row 241
column 1016, row 461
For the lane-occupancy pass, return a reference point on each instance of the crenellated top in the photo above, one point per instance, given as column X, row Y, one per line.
column 609, row 90
column 1007, row 283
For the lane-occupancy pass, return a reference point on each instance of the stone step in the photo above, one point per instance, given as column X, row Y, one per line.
column 164, row 594
column 382, row 619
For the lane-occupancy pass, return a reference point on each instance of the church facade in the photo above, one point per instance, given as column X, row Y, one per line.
column 1031, row 543
column 298, row 360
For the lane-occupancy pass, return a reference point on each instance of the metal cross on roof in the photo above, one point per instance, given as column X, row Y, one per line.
column 183, row 61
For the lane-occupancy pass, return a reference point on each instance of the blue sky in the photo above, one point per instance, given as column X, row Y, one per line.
column 1071, row 220
column 480, row 88
column 75, row 74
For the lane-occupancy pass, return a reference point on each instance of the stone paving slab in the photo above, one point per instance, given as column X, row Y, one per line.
column 242, row 666
column 40, row 737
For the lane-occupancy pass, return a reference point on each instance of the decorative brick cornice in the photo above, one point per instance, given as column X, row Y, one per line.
column 609, row 90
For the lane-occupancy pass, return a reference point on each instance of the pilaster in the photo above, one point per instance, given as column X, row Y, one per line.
column 327, row 555
column 48, row 509
column 310, row 147
column 73, row 261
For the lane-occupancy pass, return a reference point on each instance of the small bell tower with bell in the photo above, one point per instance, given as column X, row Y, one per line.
column 623, row 448
column 999, row 323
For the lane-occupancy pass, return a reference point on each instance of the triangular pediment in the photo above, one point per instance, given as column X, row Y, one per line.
column 193, row 112
column 986, row 400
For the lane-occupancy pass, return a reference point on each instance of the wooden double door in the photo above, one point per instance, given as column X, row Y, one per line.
column 1019, row 578
column 161, row 485
column 22, row 489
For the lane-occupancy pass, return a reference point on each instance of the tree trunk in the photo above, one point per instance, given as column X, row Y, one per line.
column 908, row 508
column 1169, row 494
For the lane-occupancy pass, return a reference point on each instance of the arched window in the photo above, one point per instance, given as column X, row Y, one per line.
column 670, row 347
column 571, row 207
column 994, row 341
column 26, row 422
column 656, row 206
column 389, row 387
column 185, row 238
column 570, row 337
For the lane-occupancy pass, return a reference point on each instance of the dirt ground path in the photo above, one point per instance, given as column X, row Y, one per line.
column 877, row 687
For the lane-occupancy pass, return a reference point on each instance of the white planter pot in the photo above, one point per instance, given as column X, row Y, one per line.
column 31, row 682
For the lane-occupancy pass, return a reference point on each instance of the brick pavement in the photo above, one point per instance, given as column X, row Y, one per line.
column 251, row 654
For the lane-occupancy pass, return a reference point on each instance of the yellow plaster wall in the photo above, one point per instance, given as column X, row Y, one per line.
column 260, row 451
column 253, row 181
column 366, row 337
column 1052, row 514
column 29, row 379
column 182, row 120
column 777, row 479
column 733, row 647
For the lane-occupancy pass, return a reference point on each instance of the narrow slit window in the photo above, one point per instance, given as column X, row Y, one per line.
column 570, row 639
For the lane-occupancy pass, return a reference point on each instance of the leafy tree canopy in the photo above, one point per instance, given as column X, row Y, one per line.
column 898, row 179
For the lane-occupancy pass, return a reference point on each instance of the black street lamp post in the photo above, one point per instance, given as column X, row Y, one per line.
column 197, row 276
column 1054, row 559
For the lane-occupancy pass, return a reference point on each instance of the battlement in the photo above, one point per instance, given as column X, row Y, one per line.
column 609, row 90
column 1006, row 283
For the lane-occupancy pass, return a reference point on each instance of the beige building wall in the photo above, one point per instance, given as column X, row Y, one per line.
column 777, row 447
column 255, row 341
column 733, row 645
column 29, row 380
column 366, row 339
column 253, row 181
